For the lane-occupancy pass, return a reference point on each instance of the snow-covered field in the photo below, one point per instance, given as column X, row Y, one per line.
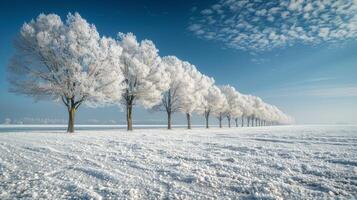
column 286, row 162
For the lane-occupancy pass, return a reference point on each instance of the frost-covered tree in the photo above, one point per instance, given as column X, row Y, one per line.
column 255, row 103
column 219, row 109
column 278, row 117
column 220, row 114
column 264, row 113
column 171, row 98
column 66, row 61
column 214, row 102
column 241, row 107
column 268, row 115
column 233, row 109
column 144, row 77
column 245, row 107
column 192, row 95
column 248, row 110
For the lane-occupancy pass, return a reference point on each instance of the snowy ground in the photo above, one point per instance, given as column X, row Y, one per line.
column 290, row 162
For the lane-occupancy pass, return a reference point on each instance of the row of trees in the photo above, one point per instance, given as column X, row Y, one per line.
column 70, row 62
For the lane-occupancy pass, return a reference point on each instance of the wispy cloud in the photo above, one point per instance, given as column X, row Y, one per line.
column 349, row 91
column 259, row 25
column 311, row 81
column 327, row 91
column 259, row 60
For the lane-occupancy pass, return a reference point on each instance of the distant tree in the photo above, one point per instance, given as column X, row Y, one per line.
column 65, row 61
column 7, row 121
column 144, row 77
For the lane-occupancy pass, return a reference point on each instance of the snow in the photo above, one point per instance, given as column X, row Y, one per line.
column 282, row 162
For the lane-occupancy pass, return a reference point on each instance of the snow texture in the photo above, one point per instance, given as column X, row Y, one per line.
column 282, row 162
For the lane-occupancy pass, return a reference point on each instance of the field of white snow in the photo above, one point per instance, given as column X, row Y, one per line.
column 282, row 162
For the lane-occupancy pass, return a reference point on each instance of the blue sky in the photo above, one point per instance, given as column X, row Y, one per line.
column 313, row 80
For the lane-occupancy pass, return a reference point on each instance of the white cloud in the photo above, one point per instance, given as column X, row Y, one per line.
column 284, row 14
column 216, row 7
column 258, row 25
column 324, row 32
column 206, row 12
column 308, row 7
column 194, row 27
column 294, row 5
column 259, row 60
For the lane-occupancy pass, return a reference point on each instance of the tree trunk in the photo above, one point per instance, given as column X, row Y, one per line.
column 188, row 120
column 236, row 119
column 229, row 121
column 168, row 120
column 168, row 109
column 242, row 121
column 207, row 118
column 220, row 121
column 129, row 120
column 248, row 121
column 71, row 112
